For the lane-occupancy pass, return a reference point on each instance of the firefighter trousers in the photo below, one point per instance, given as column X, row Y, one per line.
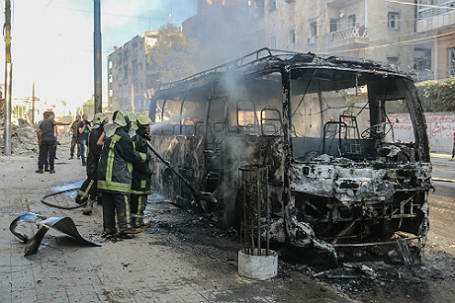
column 138, row 204
column 119, row 203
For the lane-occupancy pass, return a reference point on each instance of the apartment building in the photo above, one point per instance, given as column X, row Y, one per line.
column 130, row 77
column 372, row 29
column 436, row 20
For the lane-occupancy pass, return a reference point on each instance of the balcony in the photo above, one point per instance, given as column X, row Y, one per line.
column 435, row 18
column 350, row 37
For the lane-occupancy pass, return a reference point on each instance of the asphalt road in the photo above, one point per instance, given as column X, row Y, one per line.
column 442, row 205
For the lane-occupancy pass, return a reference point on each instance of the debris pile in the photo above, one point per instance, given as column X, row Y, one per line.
column 23, row 138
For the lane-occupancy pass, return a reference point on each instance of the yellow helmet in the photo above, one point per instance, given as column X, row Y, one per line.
column 124, row 117
column 99, row 118
column 143, row 119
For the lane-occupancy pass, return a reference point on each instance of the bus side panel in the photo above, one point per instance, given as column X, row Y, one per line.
column 186, row 155
column 237, row 151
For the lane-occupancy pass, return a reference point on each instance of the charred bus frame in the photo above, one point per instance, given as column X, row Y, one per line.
column 319, row 124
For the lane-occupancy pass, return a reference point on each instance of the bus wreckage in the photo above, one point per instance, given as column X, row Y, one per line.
column 337, row 172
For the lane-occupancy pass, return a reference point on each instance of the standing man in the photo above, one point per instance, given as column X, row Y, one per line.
column 115, row 172
column 75, row 139
column 453, row 148
column 142, row 183
column 38, row 133
column 84, row 129
column 47, row 138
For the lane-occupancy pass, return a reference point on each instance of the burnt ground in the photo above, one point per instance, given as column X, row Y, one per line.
column 384, row 279
column 190, row 254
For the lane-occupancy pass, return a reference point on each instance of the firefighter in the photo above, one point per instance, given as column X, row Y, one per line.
column 115, row 172
column 141, row 186
column 89, row 189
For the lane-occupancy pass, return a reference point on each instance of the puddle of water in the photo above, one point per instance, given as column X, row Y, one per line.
column 65, row 186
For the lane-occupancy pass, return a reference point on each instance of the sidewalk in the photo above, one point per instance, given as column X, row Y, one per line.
column 179, row 259
column 443, row 168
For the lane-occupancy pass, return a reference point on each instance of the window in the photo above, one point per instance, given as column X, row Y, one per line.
column 392, row 20
column 125, row 72
column 352, row 21
column 110, row 78
column 292, row 36
column 135, row 68
column 313, row 29
column 111, row 93
column 333, row 25
column 422, row 58
column 273, row 42
column 110, row 64
column 451, row 61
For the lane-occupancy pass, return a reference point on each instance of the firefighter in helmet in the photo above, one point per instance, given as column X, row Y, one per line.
column 115, row 173
column 142, row 173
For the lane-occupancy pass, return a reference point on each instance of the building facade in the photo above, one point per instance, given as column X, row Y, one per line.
column 436, row 20
column 371, row 29
column 130, row 77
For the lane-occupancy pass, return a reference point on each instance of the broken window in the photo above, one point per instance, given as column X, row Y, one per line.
column 422, row 59
column 193, row 117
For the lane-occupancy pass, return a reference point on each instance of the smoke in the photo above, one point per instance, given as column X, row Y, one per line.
column 224, row 28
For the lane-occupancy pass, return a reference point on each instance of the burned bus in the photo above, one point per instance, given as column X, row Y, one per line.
column 336, row 171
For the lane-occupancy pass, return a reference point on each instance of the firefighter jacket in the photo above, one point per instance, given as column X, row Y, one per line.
column 115, row 168
column 142, row 183
column 93, row 153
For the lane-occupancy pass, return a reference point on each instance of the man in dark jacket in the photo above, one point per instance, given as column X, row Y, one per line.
column 47, row 141
column 142, row 173
column 89, row 189
column 115, row 172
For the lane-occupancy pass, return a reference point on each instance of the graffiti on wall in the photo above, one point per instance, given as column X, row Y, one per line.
column 441, row 128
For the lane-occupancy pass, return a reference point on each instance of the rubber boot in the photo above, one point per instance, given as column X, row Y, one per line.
column 88, row 207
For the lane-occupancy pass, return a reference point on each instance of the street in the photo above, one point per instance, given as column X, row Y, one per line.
column 181, row 258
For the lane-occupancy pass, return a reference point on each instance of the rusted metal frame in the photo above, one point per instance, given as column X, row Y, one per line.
column 285, row 71
column 181, row 111
column 162, row 116
column 259, row 198
column 228, row 65
column 375, row 243
column 419, row 123
column 399, row 216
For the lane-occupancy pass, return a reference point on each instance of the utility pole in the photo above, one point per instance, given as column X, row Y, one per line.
column 8, row 77
column 33, row 104
column 98, row 63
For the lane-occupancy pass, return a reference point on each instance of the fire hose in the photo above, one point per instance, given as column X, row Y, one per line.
column 198, row 195
column 43, row 199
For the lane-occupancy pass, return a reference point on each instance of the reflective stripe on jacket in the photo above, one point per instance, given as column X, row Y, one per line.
column 142, row 183
column 115, row 169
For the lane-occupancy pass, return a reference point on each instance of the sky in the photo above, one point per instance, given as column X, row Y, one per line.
column 52, row 41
